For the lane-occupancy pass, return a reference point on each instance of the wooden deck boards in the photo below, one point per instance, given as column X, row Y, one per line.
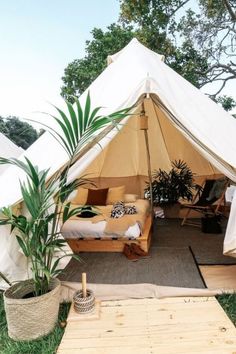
column 220, row 277
column 153, row 326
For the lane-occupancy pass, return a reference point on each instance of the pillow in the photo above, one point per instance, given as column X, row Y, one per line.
column 81, row 196
column 118, row 210
column 86, row 212
column 115, row 194
column 130, row 210
column 130, row 198
column 97, row 196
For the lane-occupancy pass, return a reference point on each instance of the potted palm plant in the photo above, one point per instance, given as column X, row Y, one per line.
column 32, row 305
column 169, row 187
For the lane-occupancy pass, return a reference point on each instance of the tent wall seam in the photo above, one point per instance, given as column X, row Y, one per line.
column 159, row 124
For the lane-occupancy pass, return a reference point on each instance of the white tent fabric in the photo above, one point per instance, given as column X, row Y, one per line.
column 183, row 124
column 8, row 149
column 114, row 57
column 230, row 237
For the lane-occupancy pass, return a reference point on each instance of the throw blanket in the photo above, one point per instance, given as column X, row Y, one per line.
column 119, row 226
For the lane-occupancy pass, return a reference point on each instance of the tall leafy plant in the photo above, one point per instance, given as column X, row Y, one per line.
column 169, row 187
column 45, row 196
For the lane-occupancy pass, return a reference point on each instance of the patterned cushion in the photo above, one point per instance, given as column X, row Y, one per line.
column 118, row 210
column 131, row 209
column 120, row 203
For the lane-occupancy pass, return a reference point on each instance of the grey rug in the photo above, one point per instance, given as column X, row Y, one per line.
column 166, row 266
column 207, row 248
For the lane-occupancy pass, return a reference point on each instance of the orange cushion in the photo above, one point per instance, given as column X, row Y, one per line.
column 115, row 194
column 81, row 196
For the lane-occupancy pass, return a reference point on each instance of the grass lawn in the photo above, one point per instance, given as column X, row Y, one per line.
column 49, row 344
column 45, row 345
column 228, row 302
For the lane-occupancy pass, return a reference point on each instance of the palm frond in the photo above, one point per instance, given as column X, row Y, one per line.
column 68, row 127
column 46, row 199
column 79, row 117
column 74, row 120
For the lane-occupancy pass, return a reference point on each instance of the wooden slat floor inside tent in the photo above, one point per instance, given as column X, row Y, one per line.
column 153, row 326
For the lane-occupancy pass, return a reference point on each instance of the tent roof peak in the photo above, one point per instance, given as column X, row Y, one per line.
column 135, row 46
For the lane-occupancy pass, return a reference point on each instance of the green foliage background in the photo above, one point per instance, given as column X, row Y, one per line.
column 194, row 43
column 19, row 132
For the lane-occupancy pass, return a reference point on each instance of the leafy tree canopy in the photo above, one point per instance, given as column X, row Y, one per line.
column 82, row 72
column 21, row 133
column 212, row 31
column 3, row 128
column 198, row 45
column 227, row 102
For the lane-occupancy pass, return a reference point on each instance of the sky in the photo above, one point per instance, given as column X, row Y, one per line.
column 38, row 40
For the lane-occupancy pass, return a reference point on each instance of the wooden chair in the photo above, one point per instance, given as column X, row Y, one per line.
column 208, row 200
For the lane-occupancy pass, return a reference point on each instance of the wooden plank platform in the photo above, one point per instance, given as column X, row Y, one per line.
column 219, row 276
column 153, row 326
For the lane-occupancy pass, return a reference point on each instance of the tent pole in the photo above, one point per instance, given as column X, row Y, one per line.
column 144, row 127
column 149, row 168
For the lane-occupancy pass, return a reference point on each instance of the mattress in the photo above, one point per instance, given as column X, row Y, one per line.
column 86, row 229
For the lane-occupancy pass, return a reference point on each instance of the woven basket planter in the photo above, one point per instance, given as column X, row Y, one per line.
column 82, row 304
column 33, row 317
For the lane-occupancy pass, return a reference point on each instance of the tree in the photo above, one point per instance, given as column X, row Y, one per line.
column 148, row 23
column 161, row 26
column 82, row 72
column 3, row 128
column 156, row 24
column 207, row 34
column 21, row 133
column 227, row 102
column 213, row 34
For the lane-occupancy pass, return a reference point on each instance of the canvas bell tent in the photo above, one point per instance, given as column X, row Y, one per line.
column 182, row 123
column 8, row 149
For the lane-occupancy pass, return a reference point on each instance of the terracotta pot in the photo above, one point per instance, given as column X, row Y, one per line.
column 171, row 210
column 34, row 317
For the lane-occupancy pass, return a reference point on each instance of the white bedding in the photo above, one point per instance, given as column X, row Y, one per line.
column 87, row 229
column 74, row 229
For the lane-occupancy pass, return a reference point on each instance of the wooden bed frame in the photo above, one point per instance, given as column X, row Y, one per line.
column 112, row 245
